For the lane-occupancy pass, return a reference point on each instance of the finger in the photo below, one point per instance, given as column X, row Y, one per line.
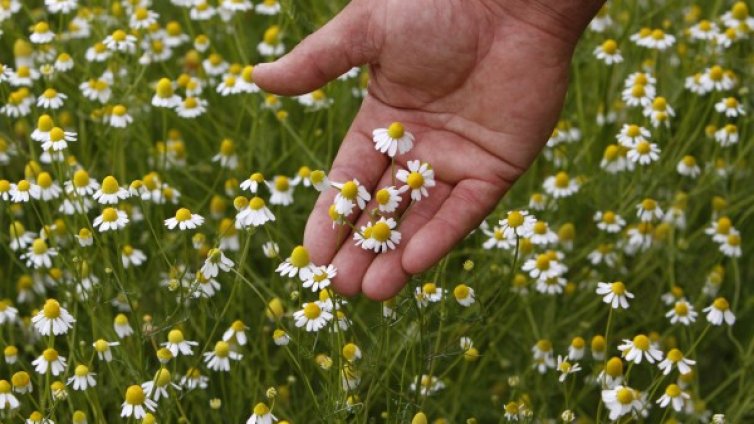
column 386, row 275
column 466, row 206
column 322, row 56
column 351, row 260
column 357, row 159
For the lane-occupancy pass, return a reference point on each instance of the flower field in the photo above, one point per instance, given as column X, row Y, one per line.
column 153, row 201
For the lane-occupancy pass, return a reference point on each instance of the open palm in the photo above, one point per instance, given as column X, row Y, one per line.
column 479, row 83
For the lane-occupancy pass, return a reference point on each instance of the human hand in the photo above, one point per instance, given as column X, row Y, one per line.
column 480, row 84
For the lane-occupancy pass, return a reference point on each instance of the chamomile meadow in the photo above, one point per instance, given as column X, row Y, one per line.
column 153, row 201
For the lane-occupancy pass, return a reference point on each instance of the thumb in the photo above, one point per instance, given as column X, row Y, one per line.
column 322, row 56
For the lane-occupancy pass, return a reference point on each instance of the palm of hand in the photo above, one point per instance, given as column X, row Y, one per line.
column 479, row 90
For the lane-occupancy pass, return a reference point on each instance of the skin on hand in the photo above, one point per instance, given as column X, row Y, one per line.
column 480, row 83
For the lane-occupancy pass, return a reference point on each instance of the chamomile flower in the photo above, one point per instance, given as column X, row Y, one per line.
column 271, row 46
column 731, row 246
column 53, row 319
column 236, row 333
column 8, row 313
column 122, row 327
column 191, row 107
column 418, row 178
column 261, row 414
column 631, row 134
column 82, row 379
column 219, row 359
column 110, row 192
column 719, row 312
column 119, row 117
column 22, row 383
column 270, row 249
column 157, row 387
column 253, row 182
column 730, row 107
column 48, row 189
column 674, row 397
column 561, row 185
column 130, row 256
column 543, row 356
column 497, row 239
column 164, row 95
column 676, row 359
column 318, row 278
column 136, row 403
column 61, row 6
column 393, row 140
column 704, row 30
column 427, row 385
column 39, row 254
column 614, row 294
column 42, row 34
column 543, row 235
column 727, row 135
column 282, row 190
column 380, row 236
column 255, row 214
column 576, row 349
column 643, row 153
column 659, row 112
column 50, row 361
column 120, row 41
column 316, row 100
column 544, row 266
column 609, row 221
column 142, row 18
column 464, row 295
column 51, row 99
column 640, row 348
column 715, row 78
column 280, row 337
column 184, row 220
column 298, row 263
column 268, row 7
column 102, row 347
column 58, row 139
column 565, row 368
column 7, row 399
column 97, row 90
column 648, row 210
column 608, row 52
column 202, row 11
column 621, row 401
column 177, row 344
column 688, row 167
column 216, row 261
column 638, row 95
column 738, row 16
column 194, row 379
column 312, row 316
column 518, row 223
column 683, row 312
column 351, row 193
column 110, row 219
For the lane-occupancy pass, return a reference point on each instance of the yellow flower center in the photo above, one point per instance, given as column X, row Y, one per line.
column 643, row 147
column 317, row 177
column 740, row 11
column 110, row 185
column 673, row 390
column 51, row 309
column 50, row 354
column 312, row 310
column 41, row 28
column 238, row 326
column 349, row 190
column 429, row 288
column 625, row 396
column 173, row 28
column 515, row 219
column 135, row 395
column 109, row 215
column 637, row 90
column 164, row 88
column 381, row 231
column 395, row 130
column 611, row 152
column 659, row 104
column 300, row 257
column 44, row 180
column 256, row 203
column 610, row 47
column 562, row 180
column 20, row 379
column 716, row 73
column 382, row 196
column 675, row 355
column 681, row 309
column 544, row 345
column 543, row 262
column 141, row 14
column 119, row 36
column 618, row 288
column 81, row 370
column 734, row 239
column 540, row 227
column 4, row 387
column 578, row 343
column 183, row 214
column 80, row 177
column 261, row 409
column 721, row 304
column 175, row 336
column 689, row 161
column 658, row 34
column 163, row 377
column 641, row 342
column 271, row 35
column 614, row 367
column 282, row 183
column 461, row 291
column 598, row 343
column 39, row 246
column 248, row 74
column 415, row 180
column 101, row 346
column 222, row 349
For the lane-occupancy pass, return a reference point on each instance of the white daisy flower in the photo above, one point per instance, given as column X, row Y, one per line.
column 261, row 415
column 351, row 193
column 609, row 221
column 120, row 41
column 110, row 192
column 7, row 399
column 614, row 294
column 51, row 99
column 51, row 361
column 518, row 223
column 296, row 264
column 565, row 368
column 380, row 236
column 730, row 107
column 648, row 210
column 418, row 178
column 184, row 220
column 237, row 333
column 39, row 255
column 676, row 359
column 674, row 397
column 631, row 134
column 393, row 140
column 157, row 387
column 688, row 167
column 644, row 153
column 42, row 34
column 58, row 139
column 53, row 319
column 561, row 185
column 608, row 52
column 130, row 256
column 268, row 7
column 621, row 401
column 219, row 359
column 640, row 348
column 731, row 247
column 122, row 327
column 719, row 312
column 178, row 345
column 318, row 278
column 271, row 46
column 683, row 312
column 313, row 316
column 191, row 107
column 102, row 347
column 136, row 403
column 255, row 214
column 164, row 95
column 110, row 219
column 82, row 379
column 216, row 261
column 464, row 295
column 282, row 190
